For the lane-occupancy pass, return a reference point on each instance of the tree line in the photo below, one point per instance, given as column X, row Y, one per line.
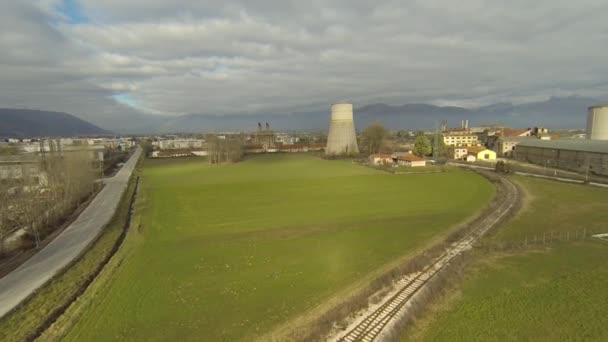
column 38, row 194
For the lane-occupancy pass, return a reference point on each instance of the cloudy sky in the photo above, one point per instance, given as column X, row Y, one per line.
column 98, row 58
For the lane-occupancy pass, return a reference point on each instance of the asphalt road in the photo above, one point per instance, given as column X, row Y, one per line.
column 36, row 271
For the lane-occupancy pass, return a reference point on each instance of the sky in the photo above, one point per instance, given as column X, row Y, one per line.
column 106, row 58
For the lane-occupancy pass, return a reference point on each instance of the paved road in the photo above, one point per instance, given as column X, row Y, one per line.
column 36, row 271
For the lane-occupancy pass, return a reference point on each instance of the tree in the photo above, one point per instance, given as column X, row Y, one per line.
column 373, row 137
column 422, row 146
column 440, row 150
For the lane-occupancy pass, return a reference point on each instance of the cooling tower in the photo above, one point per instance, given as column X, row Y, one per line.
column 597, row 122
column 342, row 138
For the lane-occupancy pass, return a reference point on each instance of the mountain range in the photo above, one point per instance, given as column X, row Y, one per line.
column 556, row 112
column 25, row 123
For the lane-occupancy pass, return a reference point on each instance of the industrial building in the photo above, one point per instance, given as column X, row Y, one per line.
column 575, row 155
column 590, row 155
column 342, row 138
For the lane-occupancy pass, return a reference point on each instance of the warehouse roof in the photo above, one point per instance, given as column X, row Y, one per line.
column 583, row 145
column 518, row 139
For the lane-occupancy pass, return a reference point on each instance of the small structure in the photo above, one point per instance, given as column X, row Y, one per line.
column 380, row 159
column 410, row 160
column 481, row 153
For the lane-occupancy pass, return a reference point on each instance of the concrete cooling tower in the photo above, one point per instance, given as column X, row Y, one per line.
column 342, row 138
column 597, row 122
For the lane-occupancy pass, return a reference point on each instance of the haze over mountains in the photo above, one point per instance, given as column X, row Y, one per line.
column 563, row 112
column 557, row 112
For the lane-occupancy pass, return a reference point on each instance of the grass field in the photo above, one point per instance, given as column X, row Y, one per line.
column 542, row 294
column 229, row 252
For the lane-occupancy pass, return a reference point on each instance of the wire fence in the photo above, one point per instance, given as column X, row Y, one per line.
column 543, row 239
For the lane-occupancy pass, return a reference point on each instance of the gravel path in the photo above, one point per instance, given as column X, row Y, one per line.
column 40, row 268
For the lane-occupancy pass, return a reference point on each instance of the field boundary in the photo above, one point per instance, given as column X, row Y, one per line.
column 91, row 278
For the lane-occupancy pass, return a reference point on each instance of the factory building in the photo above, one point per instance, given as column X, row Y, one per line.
column 590, row 155
column 342, row 138
column 574, row 155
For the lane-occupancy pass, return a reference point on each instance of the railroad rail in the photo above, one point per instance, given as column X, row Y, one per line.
column 371, row 326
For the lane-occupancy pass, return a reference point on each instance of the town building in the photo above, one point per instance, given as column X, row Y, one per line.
column 410, row 160
column 506, row 145
column 460, row 137
column 380, row 159
column 460, row 152
column 480, row 153
column 181, row 144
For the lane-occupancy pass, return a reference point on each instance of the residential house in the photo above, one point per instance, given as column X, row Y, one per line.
column 380, row 159
column 481, row 153
column 410, row 160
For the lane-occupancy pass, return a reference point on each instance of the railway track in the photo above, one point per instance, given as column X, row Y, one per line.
column 372, row 325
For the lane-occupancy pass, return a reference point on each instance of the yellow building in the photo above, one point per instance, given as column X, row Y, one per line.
column 460, row 137
column 481, row 153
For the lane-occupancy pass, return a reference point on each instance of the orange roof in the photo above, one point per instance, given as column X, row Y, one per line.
column 410, row 157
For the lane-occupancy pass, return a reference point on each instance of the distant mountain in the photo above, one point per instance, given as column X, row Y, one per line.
column 556, row 112
column 22, row 123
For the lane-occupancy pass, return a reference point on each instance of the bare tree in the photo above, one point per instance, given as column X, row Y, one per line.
column 373, row 137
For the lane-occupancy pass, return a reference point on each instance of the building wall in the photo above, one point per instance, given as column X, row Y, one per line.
column 461, row 140
column 486, row 155
column 460, row 153
column 564, row 159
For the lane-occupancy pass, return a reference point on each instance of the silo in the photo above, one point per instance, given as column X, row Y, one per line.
column 597, row 122
column 342, row 138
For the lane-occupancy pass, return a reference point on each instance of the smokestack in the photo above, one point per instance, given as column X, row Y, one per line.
column 342, row 138
column 466, row 124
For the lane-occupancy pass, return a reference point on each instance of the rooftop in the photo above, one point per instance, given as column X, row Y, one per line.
column 595, row 146
column 410, row 157
column 518, row 138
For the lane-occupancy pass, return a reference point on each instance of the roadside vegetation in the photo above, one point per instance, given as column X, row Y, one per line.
column 232, row 251
column 33, row 316
column 552, row 291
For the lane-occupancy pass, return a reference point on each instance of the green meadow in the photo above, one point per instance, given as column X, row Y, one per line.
column 542, row 293
column 230, row 252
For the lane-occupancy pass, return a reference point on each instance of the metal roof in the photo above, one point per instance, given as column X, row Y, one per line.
column 599, row 105
column 518, row 139
column 583, row 145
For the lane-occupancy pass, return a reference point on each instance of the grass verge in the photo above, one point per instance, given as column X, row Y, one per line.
column 42, row 308
column 547, row 293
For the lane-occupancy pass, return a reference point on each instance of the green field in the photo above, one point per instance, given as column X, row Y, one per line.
column 542, row 293
column 229, row 252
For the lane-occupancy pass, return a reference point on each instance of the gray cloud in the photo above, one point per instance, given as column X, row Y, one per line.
column 176, row 57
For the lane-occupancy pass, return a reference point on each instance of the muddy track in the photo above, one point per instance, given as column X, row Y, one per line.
column 374, row 323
